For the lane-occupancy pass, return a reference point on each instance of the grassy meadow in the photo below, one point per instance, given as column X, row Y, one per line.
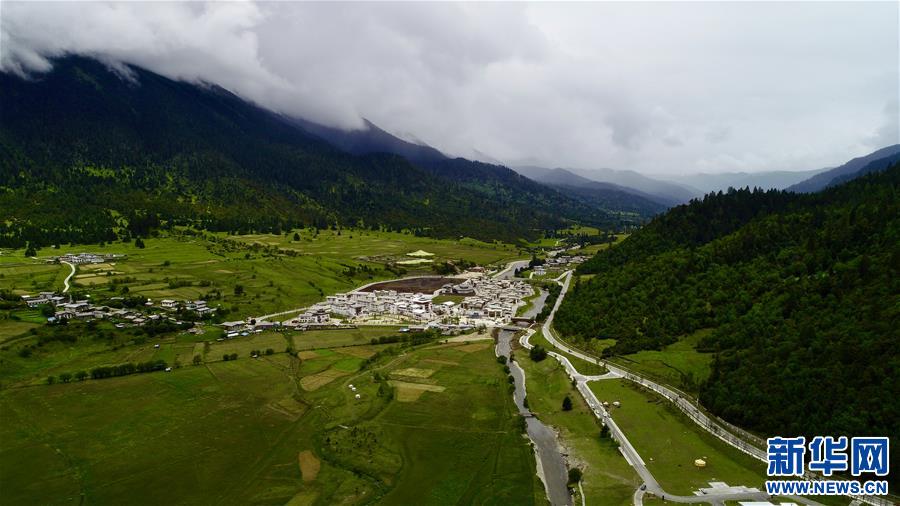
column 435, row 426
column 669, row 442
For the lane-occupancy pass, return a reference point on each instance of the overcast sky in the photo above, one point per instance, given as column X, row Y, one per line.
column 655, row 87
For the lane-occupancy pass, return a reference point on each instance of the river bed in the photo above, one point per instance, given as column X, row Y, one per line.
column 550, row 462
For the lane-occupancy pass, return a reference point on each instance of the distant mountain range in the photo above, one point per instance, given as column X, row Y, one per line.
column 849, row 170
column 606, row 195
column 663, row 192
column 671, row 190
column 706, row 183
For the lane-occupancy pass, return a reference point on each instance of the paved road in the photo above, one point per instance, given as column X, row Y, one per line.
column 510, row 271
column 638, row 497
column 66, row 281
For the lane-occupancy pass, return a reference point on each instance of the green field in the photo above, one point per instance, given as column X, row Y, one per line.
column 272, row 430
column 383, row 246
column 275, row 272
column 439, row 427
column 312, row 339
column 592, row 249
column 607, row 477
column 669, row 442
column 448, row 298
column 11, row 329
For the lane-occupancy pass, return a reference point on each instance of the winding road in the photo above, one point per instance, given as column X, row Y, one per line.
column 66, row 281
column 510, row 271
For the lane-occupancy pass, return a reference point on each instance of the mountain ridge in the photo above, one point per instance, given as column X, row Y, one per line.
column 825, row 178
column 665, row 192
column 88, row 155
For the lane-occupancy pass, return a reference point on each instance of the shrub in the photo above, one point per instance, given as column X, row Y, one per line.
column 537, row 353
column 574, row 476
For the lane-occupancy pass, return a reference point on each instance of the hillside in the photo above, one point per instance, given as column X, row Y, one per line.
column 847, row 171
column 90, row 156
column 800, row 294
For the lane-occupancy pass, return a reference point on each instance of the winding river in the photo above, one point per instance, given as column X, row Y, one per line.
column 550, row 462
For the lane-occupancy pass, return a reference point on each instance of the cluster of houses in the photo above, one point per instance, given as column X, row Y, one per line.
column 486, row 301
column 559, row 262
column 42, row 298
column 66, row 309
column 87, row 258
column 197, row 306
column 244, row 328
column 493, row 299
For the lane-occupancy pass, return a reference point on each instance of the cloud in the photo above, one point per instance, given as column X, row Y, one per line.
column 889, row 131
column 671, row 87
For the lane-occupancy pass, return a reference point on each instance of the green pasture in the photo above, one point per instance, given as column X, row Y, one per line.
column 240, row 432
column 352, row 244
column 669, row 442
column 313, row 339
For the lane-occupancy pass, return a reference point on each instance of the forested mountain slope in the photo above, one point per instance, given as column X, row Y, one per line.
column 802, row 293
column 846, row 171
column 87, row 155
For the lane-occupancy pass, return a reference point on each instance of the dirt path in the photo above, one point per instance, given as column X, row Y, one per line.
column 66, row 281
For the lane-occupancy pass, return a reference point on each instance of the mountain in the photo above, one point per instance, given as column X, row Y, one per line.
column 605, row 195
column 370, row 139
column 89, row 156
column 664, row 192
column 827, row 177
column 779, row 179
column 786, row 295
column 631, row 206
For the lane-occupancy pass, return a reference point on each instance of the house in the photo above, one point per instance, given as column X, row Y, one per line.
column 41, row 299
column 168, row 304
column 231, row 326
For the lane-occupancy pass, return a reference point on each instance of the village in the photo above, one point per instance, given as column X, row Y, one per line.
column 468, row 300
column 85, row 258
column 65, row 308
column 477, row 301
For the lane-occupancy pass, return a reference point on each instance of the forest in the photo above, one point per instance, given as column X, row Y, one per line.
column 802, row 293
column 91, row 155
